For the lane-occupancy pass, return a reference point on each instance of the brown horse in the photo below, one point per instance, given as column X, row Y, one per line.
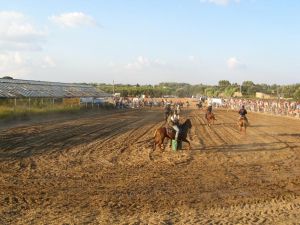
column 162, row 133
column 242, row 123
column 210, row 117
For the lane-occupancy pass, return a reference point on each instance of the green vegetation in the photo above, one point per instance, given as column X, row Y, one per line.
column 223, row 89
column 21, row 112
column 22, row 108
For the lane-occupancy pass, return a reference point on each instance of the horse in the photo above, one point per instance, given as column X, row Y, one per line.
column 199, row 105
column 210, row 117
column 242, row 123
column 162, row 133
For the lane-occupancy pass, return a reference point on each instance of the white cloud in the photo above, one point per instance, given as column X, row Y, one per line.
column 48, row 62
column 18, row 33
column 13, row 63
column 220, row 2
column 143, row 62
column 73, row 19
column 111, row 64
column 233, row 63
column 192, row 58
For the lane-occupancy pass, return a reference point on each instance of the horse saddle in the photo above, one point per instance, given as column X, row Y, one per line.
column 243, row 118
column 171, row 131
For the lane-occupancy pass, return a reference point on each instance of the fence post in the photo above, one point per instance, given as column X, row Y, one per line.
column 29, row 104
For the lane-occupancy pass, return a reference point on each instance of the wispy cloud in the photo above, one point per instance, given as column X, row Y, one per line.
column 18, row 33
column 194, row 59
column 220, row 2
column 73, row 20
column 191, row 58
column 13, row 63
column 143, row 62
column 48, row 62
column 233, row 64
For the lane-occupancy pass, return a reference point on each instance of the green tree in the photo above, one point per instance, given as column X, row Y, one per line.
column 248, row 83
column 7, row 77
column 297, row 94
column 224, row 83
column 229, row 91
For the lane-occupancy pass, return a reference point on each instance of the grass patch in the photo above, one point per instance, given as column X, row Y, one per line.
column 8, row 112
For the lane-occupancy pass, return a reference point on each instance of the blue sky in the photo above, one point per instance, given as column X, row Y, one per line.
column 151, row 41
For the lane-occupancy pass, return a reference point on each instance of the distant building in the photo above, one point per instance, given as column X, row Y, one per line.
column 237, row 94
column 117, row 95
column 262, row 95
column 15, row 88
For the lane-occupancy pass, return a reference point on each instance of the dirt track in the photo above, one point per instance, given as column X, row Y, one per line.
column 100, row 170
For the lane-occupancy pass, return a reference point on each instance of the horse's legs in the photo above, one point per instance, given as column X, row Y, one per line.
column 185, row 140
column 161, row 143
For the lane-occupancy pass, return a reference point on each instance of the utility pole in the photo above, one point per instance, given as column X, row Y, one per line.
column 114, row 87
column 241, row 89
column 278, row 97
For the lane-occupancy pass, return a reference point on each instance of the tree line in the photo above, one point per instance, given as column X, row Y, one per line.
column 223, row 89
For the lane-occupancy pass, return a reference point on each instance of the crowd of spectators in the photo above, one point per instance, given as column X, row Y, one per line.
column 134, row 102
column 271, row 106
column 275, row 106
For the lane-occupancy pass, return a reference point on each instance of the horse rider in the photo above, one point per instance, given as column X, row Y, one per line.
column 187, row 104
column 208, row 110
column 243, row 113
column 199, row 104
column 177, row 108
column 174, row 122
column 167, row 110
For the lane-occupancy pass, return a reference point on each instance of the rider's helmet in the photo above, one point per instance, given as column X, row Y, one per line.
column 243, row 106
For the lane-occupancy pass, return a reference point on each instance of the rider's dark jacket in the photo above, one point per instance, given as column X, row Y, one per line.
column 167, row 109
column 209, row 109
column 243, row 112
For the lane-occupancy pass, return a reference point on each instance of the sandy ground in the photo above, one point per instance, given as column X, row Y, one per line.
column 100, row 169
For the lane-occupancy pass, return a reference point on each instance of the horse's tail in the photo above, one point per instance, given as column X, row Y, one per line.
column 155, row 133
